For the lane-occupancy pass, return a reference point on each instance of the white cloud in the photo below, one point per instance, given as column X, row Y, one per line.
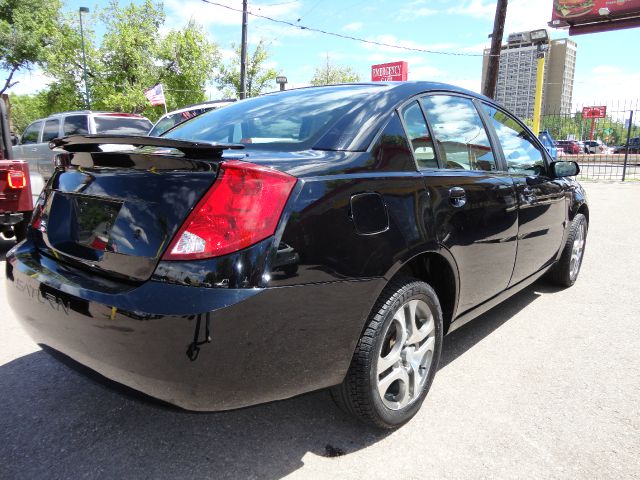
column 180, row 12
column 476, row 9
column 29, row 81
column 353, row 27
column 477, row 48
column 426, row 72
column 607, row 85
column 523, row 15
column 606, row 70
column 392, row 40
column 411, row 13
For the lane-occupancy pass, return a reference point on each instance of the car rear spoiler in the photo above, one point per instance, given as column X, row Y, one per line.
column 91, row 143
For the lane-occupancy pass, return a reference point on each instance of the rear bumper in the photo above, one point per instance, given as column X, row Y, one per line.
column 265, row 344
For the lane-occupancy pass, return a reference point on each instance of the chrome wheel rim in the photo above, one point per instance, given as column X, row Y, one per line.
column 577, row 251
column 406, row 355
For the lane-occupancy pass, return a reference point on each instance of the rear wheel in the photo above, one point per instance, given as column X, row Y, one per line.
column 565, row 272
column 396, row 357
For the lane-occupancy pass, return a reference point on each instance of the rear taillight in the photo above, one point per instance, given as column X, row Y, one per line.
column 241, row 208
column 16, row 179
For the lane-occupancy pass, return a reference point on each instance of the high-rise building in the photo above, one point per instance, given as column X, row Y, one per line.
column 516, row 84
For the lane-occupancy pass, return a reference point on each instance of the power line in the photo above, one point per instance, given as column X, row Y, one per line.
column 346, row 37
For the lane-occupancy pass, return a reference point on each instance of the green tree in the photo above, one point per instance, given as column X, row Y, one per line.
column 25, row 109
column 329, row 73
column 62, row 61
column 127, row 56
column 259, row 75
column 26, row 31
column 189, row 61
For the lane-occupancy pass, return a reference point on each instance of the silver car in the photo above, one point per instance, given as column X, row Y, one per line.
column 33, row 145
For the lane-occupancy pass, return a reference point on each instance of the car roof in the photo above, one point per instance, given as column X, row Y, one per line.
column 94, row 112
column 402, row 89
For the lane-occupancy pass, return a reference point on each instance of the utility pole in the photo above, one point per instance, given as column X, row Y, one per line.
column 489, row 87
column 243, row 53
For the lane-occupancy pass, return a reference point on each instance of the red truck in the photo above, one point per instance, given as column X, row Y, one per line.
column 16, row 201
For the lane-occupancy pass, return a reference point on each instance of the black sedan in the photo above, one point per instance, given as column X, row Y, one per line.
column 313, row 238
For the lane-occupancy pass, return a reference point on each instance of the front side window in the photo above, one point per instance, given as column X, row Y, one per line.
column 30, row 134
column 520, row 152
column 459, row 132
column 419, row 136
column 51, row 130
column 75, row 125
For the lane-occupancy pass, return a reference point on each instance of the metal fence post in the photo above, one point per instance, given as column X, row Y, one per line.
column 626, row 150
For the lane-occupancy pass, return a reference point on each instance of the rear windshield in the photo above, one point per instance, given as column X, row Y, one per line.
column 173, row 119
column 122, row 125
column 288, row 121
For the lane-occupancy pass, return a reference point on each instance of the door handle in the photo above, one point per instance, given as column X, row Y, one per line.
column 34, row 149
column 457, row 196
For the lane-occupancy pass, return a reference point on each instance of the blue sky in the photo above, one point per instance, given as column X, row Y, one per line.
column 604, row 72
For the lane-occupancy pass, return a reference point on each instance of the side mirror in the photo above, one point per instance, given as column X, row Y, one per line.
column 565, row 169
column 15, row 140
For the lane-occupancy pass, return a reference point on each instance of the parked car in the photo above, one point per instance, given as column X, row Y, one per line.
column 407, row 208
column 634, row 146
column 171, row 119
column 570, row 147
column 34, row 142
column 16, row 202
column 594, row 146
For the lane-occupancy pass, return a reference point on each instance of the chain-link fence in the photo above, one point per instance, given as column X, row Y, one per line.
column 606, row 148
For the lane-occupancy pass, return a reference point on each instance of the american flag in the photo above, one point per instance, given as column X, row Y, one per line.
column 155, row 95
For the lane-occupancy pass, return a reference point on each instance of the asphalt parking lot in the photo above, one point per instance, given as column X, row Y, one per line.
column 546, row 385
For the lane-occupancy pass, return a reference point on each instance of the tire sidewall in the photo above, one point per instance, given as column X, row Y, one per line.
column 411, row 291
column 577, row 221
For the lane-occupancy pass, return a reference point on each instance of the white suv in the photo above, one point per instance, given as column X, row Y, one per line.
column 33, row 145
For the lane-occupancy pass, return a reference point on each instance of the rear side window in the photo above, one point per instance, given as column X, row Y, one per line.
column 75, row 125
column 520, row 152
column 30, row 134
column 419, row 136
column 122, row 125
column 459, row 133
column 51, row 130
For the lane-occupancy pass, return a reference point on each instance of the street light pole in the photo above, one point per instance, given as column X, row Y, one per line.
column 84, row 60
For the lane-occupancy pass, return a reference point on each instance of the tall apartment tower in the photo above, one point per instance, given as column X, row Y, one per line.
column 517, row 75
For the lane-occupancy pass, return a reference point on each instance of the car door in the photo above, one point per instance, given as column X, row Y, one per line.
column 542, row 200
column 473, row 201
column 44, row 154
column 27, row 148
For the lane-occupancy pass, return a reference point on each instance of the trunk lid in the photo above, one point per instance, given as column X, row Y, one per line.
column 116, row 211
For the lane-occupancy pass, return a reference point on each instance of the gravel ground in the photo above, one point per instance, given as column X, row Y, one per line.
column 546, row 385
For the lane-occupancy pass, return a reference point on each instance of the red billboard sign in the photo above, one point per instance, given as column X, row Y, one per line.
column 585, row 16
column 594, row 112
column 390, row 72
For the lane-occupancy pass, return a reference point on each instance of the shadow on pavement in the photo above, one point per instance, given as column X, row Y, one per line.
column 461, row 340
column 60, row 422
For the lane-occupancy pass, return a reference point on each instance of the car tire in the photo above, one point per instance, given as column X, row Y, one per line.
column 407, row 314
column 565, row 271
